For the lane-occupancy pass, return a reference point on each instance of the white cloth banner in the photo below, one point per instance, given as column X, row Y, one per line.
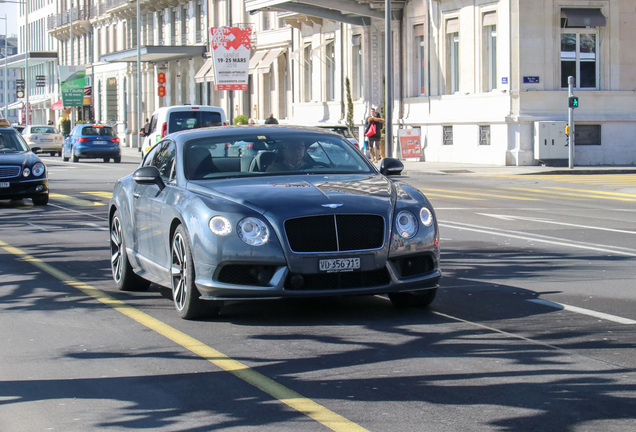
column 231, row 52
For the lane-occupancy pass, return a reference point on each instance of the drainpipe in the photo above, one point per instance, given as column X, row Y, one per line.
column 388, row 71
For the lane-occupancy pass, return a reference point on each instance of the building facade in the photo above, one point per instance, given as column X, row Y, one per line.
column 8, row 79
column 474, row 77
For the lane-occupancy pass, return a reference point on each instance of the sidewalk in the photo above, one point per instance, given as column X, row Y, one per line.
column 412, row 167
column 452, row 168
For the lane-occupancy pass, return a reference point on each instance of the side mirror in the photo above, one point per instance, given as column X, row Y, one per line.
column 36, row 149
column 391, row 166
column 149, row 175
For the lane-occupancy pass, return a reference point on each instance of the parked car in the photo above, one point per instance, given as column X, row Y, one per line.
column 213, row 227
column 341, row 129
column 170, row 119
column 18, row 127
column 47, row 138
column 88, row 141
column 22, row 173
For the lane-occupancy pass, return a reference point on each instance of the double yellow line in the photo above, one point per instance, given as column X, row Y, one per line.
column 289, row 397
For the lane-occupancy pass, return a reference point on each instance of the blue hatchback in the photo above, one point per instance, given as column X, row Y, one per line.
column 92, row 141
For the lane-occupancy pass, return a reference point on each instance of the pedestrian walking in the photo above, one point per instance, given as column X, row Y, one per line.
column 373, row 132
column 271, row 119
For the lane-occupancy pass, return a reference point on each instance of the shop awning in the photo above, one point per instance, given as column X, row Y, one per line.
column 265, row 64
column 256, row 58
column 57, row 106
column 15, row 105
column 356, row 12
column 18, row 61
column 153, row 53
column 201, row 74
column 584, row 17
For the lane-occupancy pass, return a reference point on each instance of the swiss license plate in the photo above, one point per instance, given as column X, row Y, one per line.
column 4, row 184
column 339, row 264
column 99, row 142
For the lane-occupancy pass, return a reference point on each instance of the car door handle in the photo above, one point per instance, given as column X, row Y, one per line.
column 136, row 195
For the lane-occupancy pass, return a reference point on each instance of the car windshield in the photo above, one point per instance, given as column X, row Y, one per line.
column 273, row 154
column 183, row 120
column 97, row 131
column 43, row 129
column 11, row 142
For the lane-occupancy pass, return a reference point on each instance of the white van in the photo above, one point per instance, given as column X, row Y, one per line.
column 167, row 120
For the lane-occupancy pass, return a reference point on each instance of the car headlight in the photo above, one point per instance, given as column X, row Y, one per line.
column 38, row 169
column 426, row 216
column 220, row 226
column 26, row 172
column 406, row 224
column 253, row 231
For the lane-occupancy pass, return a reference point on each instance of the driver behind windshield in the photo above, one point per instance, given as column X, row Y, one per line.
column 292, row 156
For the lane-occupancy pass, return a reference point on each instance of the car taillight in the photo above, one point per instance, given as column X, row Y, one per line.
column 224, row 123
column 115, row 140
column 83, row 140
column 164, row 130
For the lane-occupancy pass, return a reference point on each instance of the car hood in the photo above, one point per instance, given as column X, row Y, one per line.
column 22, row 159
column 311, row 194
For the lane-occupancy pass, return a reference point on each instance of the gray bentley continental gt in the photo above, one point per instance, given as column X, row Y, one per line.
column 304, row 214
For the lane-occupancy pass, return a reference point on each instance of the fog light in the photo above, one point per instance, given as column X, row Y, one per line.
column 297, row 281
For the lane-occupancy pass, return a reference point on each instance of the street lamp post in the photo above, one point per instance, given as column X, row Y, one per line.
column 26, row 54
column 6, row 52
column 138, row 81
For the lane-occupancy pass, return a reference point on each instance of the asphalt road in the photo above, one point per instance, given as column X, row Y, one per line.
column 533, row 328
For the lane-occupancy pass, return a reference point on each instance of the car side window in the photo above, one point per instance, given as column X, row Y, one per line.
column 153, row 123
column 163, row 159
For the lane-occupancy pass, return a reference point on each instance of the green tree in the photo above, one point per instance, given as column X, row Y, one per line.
column 349, row 120
column 240, row 119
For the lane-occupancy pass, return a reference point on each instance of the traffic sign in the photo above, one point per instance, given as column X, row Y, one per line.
column 573, row 102
column 40, row 81
column 19, row 88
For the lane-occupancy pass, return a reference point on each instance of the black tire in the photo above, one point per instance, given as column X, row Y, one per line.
column 123, row 274
column 413, row 299
column 75, row 158
column 117, row 159
column 53, row 153
column 41, row 200
column 64, row 158
column 185, row 294
column 106, row 160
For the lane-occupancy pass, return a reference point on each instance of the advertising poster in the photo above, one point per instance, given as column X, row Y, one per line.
column 72, row 81
column 231, row 54
column 410, row 143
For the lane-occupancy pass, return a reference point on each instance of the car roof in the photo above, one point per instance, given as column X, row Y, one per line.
column 188, row 107
column 252, row 129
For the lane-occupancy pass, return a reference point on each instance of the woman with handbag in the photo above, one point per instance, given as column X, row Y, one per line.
column 373, row 132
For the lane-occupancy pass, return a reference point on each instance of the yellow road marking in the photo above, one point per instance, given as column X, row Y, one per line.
column 75, row 201
column 591, row 194
column 100, row 194
column 289, row 397
column 451, row 196
column 619, row 194
column 465, row 192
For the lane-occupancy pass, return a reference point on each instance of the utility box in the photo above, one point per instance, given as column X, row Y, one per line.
column 550, row 140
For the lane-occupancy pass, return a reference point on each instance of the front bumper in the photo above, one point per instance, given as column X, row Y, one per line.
column 24, row 189
column 233, row 281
